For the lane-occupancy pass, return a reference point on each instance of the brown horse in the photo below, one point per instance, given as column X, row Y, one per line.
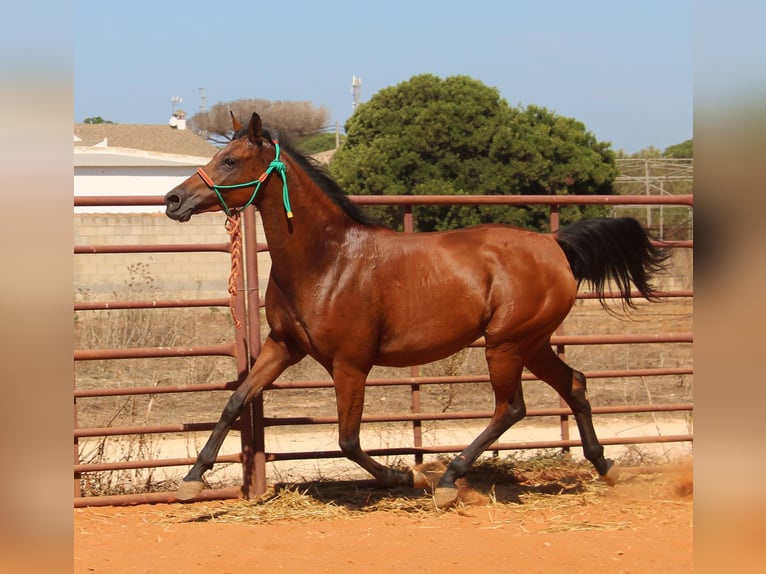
column 352, row 294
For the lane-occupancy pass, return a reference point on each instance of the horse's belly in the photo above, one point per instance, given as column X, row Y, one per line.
column 425, row 342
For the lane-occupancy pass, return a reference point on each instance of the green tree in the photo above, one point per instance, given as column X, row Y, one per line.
column 96, row 120
column 316, row 143
column 682, row 150
column 429, row 136
column 548, row 154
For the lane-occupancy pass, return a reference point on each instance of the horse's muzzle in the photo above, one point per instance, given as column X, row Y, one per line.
column 176, row 207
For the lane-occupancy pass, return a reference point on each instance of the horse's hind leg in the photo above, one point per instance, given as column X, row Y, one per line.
column 571, row 385
column 274, row 358
column 505, row 366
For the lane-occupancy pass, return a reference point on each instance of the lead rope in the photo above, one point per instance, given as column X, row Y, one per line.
column 234, row 229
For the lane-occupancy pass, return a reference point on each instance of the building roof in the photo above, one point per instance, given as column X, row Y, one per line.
column 154, row 138
column 85, row 157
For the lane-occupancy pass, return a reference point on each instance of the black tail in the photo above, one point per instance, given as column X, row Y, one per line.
column 620, row 250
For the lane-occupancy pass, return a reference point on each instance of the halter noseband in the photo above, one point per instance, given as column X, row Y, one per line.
column 276, row 164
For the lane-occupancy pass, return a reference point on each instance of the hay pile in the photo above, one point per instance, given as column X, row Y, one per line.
column 555, row 484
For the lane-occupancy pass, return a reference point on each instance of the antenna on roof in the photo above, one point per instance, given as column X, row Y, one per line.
column 202, row 101
column 356, row 91
column 174, row 100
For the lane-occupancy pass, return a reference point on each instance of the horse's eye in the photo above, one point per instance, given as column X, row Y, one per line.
column 229, row 161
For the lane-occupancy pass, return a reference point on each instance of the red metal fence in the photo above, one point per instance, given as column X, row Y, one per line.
column 245, row 345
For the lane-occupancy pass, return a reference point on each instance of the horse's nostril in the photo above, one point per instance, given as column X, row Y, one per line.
column 172, row 200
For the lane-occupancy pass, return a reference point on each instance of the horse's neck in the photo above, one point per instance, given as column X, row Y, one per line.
column 309, row 241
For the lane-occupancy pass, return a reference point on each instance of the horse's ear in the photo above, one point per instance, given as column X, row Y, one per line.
column 255, row 129
column 235, row 122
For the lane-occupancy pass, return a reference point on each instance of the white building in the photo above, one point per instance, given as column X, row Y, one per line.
column 145, row 160
column 121, row 160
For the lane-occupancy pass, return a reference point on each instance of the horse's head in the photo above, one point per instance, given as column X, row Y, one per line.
column 231, row 179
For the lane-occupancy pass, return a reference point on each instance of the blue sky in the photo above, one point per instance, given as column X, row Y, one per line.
column 622, row 68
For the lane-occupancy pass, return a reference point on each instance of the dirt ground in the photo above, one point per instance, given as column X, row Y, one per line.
column 546, row 524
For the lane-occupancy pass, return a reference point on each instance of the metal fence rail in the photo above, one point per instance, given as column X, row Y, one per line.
column 245, row 346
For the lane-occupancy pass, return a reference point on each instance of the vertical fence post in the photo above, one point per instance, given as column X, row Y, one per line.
column 555, row 225
column 417, row 425
column 252, row 279
column 77, row 475
column 252, row 419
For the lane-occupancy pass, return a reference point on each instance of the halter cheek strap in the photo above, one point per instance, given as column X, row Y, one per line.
column 205, row 177
column 275, row 165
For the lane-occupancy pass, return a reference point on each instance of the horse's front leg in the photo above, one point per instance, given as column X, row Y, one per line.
column 349, row 393
column 275, row 357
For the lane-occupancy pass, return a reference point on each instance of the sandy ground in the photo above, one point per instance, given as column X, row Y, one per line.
column 644, row 524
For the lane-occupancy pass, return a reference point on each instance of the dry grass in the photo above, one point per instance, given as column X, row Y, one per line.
column 507, row 482
column 553, row 486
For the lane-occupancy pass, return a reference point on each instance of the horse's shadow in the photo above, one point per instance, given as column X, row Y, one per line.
column 481, row 487
column 356, row 496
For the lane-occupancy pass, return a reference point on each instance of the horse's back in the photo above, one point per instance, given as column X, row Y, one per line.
column 505, row 257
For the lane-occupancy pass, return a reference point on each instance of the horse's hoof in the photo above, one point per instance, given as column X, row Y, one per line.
column 445, row 496
column 189, row 489
column 612, row 475
column 419, row 480
column 427, row 474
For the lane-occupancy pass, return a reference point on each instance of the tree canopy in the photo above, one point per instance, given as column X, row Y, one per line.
column 96, row 120
column 455, row 136
column 680, row 151
column 683, row 150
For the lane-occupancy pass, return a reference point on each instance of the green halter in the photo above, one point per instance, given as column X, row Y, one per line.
column 276, row 164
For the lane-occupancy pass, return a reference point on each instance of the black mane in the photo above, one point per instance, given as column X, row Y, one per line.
column 323, row 179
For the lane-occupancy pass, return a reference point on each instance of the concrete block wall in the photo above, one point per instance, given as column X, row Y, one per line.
column 151, row 275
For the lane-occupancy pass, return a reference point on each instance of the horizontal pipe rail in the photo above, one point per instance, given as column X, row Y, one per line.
column 450, row 379
column 150, row 304
column 388, row 418
column 224, row 349
column 224, row 302
column 155, row 390
column 468, row 415
column 630, row 339
column 372, row 382
column 228, row 349
column 682, row 200
column 150, row 463
column 142, row 429
column 154, row 497
column 118, row 200
column 387, row 451
column 622, row 339
column 679, row 294
column 444, row 449
column 155, row 248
